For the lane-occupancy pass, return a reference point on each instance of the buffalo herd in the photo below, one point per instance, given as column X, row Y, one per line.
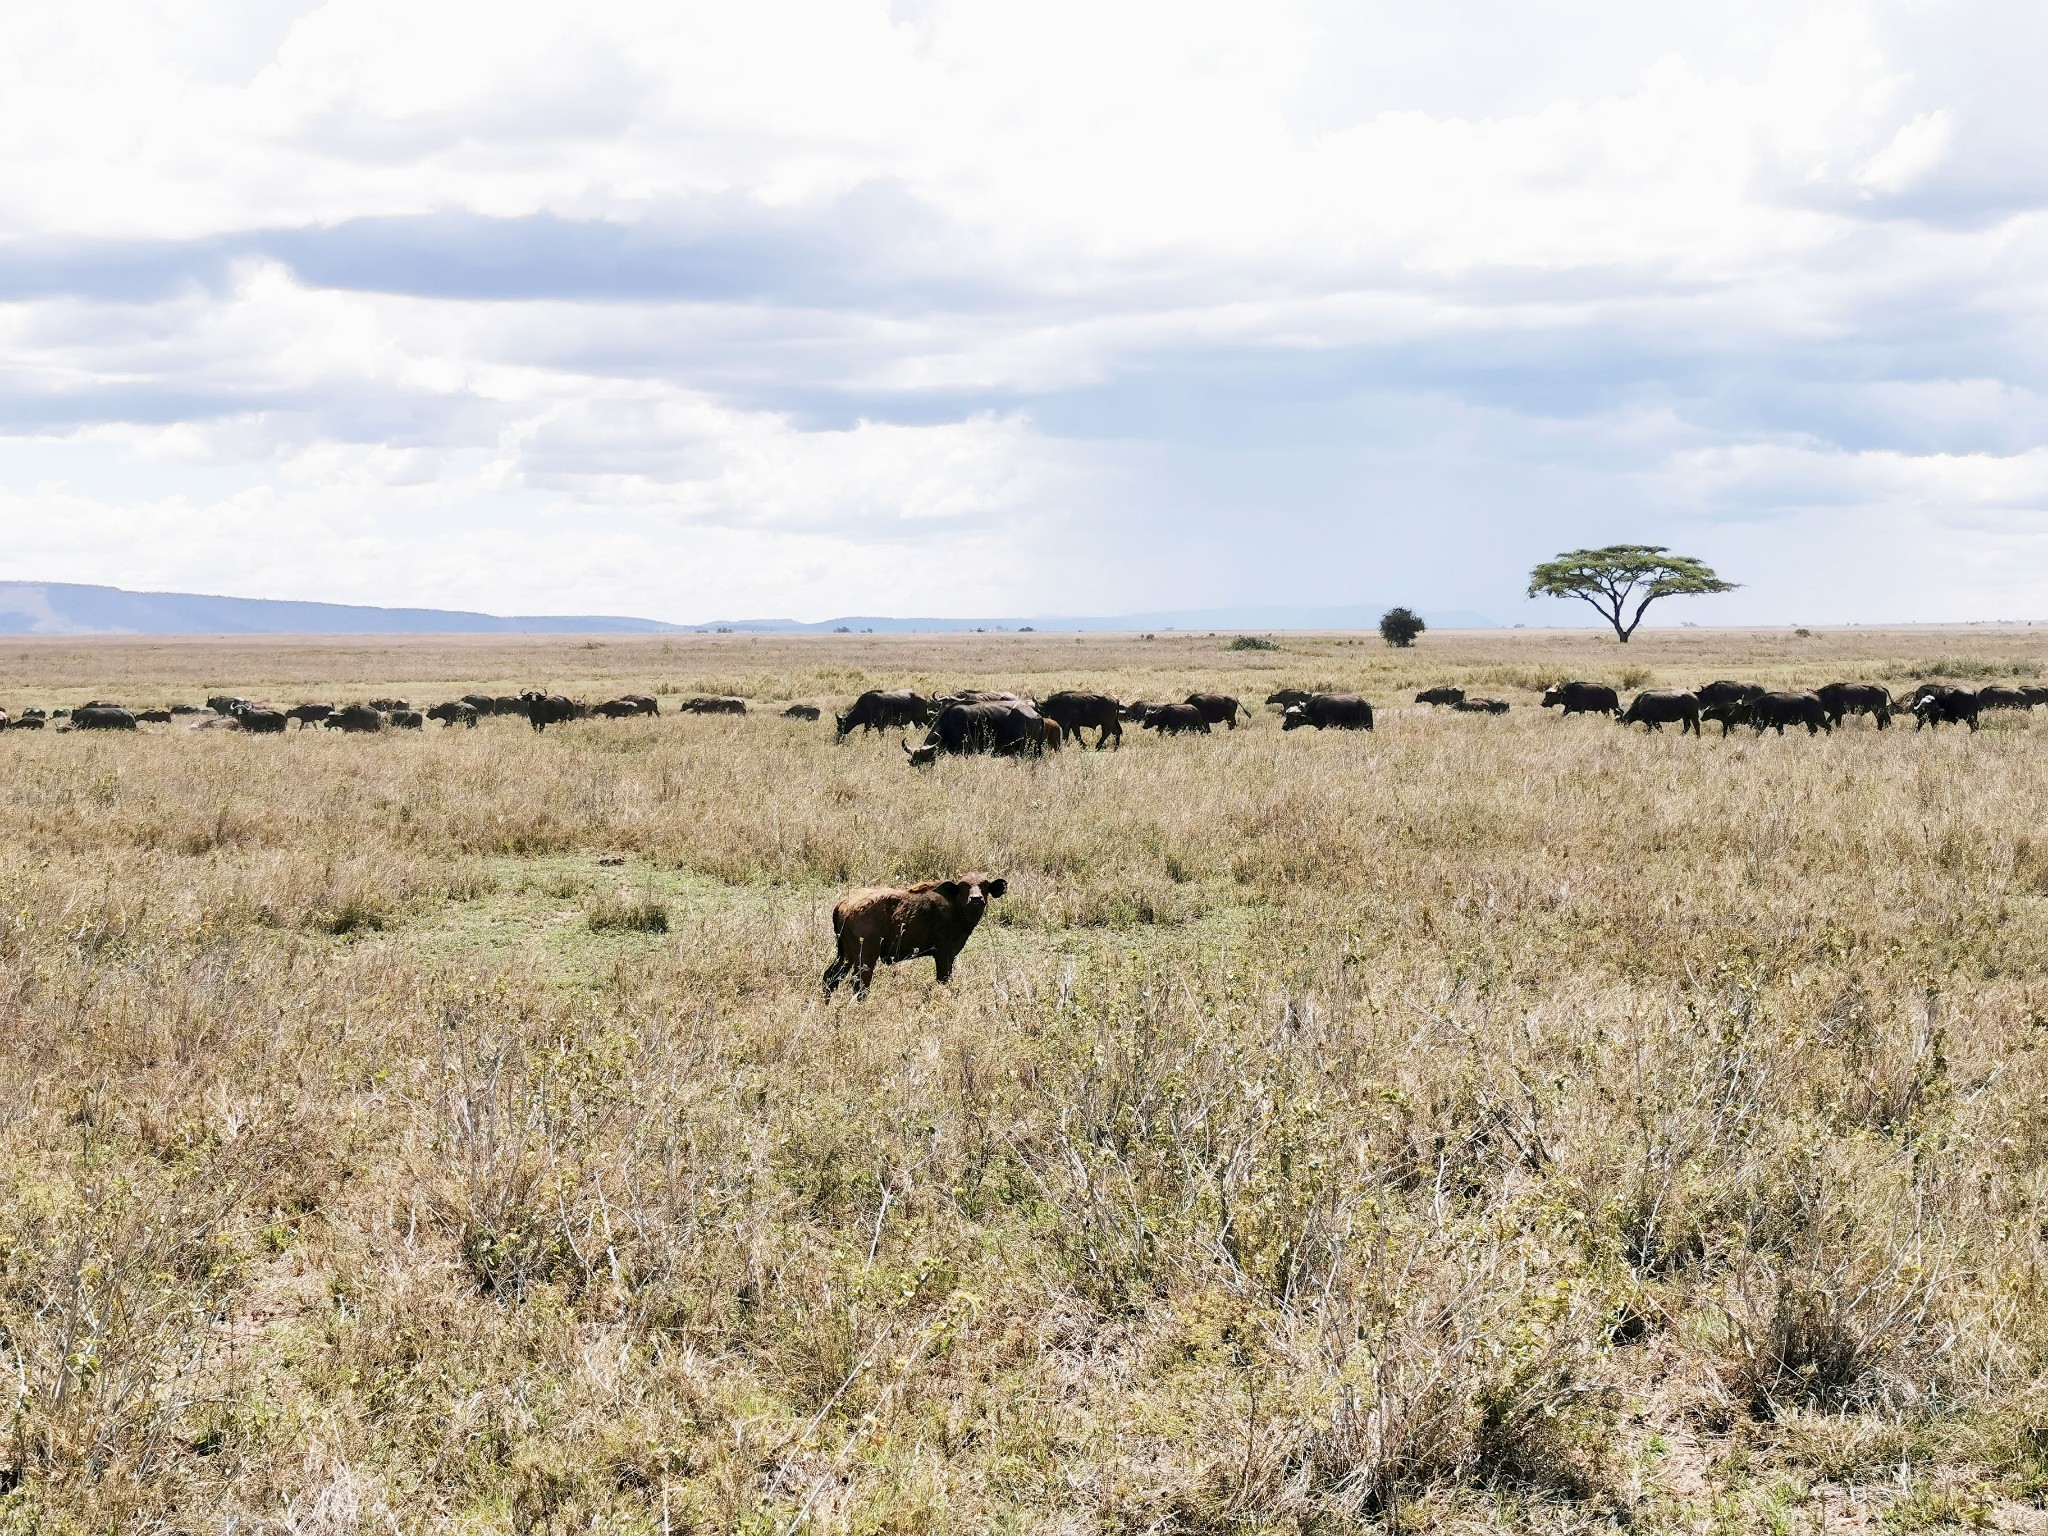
column 1000, row 724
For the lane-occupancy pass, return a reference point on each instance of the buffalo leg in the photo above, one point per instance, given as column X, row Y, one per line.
column 834, row 973
column 944, row 959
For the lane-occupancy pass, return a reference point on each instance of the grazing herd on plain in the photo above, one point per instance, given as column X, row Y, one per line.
column 1000, row 724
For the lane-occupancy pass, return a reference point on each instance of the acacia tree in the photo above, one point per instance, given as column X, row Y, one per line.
column 1400, row 626
column 1620, row 574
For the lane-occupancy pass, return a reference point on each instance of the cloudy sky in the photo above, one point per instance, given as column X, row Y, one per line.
column 696, row 309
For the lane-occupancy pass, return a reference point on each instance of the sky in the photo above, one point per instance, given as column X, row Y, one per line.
column 698, row 310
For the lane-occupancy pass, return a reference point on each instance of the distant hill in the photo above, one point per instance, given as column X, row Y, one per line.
column 62, row 608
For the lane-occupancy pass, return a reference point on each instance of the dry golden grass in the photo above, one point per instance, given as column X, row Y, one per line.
column 1481, row 1124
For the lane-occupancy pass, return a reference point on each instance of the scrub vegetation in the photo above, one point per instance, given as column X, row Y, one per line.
column 1485, row 1123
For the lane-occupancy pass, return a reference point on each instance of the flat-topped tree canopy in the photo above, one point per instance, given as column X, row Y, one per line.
column 1617, row 575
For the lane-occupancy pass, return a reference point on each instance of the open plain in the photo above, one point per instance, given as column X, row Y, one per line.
column 1483, row 1123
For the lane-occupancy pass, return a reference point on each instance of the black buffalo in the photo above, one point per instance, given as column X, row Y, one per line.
column 2035, row 693
column 262, row 720
column 1583, row 698
column 616, row 709
column 877, row 710
column 962, row 730
column 801, row 712
column 1329, row 711
column 1218, row 708
column 722, row 705
column 454, row 712
column 1997, row 696
column 1655, row 708
column 1939, row 704
column 309, row 714
column 1775, row 711
column 1481, row 706
column 356, row 719
column 1723, row 691
column 1730, row 712
column 1074, row 710
column 407, row 719
column 102, row 717
column 546, row 709
column 1175, row 720
column 1285, row 696
column 1844, row 699
column 1442, row 694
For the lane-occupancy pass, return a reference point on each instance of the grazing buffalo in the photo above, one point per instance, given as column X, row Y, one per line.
column 356, row 719
column 884, row 925
column 1286, row 696
column 1442, row 694
column 1725, row 692
column 261, row 719
column 1729, row 712
column 454, row 712
column 877, row 710
column 723, row 705
column 1775, row 711
column 961, row 730
column 407, row 719
column 102, row 717
column 1174, row 720
column 1073, row 711
column 2035, row 693
column 1329, row 711
column 1999, row 697
column 1844, row 699
column 1218, row 708
column 801, row 712
column 1939, row 704
column 1583, row 699
column 546, row 709
column 1655, row 708
column 309, row 714
column 1481, row 706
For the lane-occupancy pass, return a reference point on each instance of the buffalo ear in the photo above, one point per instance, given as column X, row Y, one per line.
column 997, row 887
column 953, row 890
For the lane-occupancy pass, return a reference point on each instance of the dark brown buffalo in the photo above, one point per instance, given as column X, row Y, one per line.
column 184, row 709
column 309, row 714
column 1175, row 720
column 262, row 720
column 1725, row 692
column 885, row 925
column 1997, row 696
column 407, row 719
column 356, row 719
column 224, row 703
column 546, row 709
column 725, row 705
column 1655, row 708
column 1285, row 696
column 154, row 716
column 1583, row 699
column 482, row 703
column 1481, row 706
column 1218, row 708
column 2035, row 693
column 31, row 720
column 616, row 709
column 801, row 712
column 963, row 730
column 454, row 712
column 1329, row 711
column 1138, row 709
column 879, row 710
column 509, row 704
column 1940, row 704
column 1442, row 694
column 102, row 717
column 386, row 706
column 1775, row 711
column 1844, row 699
column 1730, row 712
column 1075, row 711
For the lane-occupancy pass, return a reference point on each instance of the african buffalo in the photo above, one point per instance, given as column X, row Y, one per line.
column 1218, row 708
column 615, row 709
column 1138, row 709
column 31, row 720
column 1655, row 708
column 1775, row 711
column 509, row 704
column 546, row 709
column 1003, row 730
column 407, row 719
column 1583, row 699
column 801, row 712
column 309, row 714
column 1329, row 711
column 1997, row 696
column 1481, row 706
column 1073, row 710
column 1844, row 699
column 1441, row 694
column 1939, row 704
column 261, row 720
column 454, row 712
column 386, row 706
column 224, row 703
column 2035, row 693
column 482, row 703
column 100, row 717
column 1175, row 719
column 1286, row 696
column 1730, row 712
column 1725, row 692
column 885, row 925
column 723, row 705
column 877, row 710
column 154, row 716
column 356, row 719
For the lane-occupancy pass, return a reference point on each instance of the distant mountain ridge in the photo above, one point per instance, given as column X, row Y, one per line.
column 66, row 608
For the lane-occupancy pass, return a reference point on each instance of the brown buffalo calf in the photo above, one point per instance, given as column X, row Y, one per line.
column 883, row 925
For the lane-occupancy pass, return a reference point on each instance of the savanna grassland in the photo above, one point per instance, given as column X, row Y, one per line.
column 1483, row 1124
